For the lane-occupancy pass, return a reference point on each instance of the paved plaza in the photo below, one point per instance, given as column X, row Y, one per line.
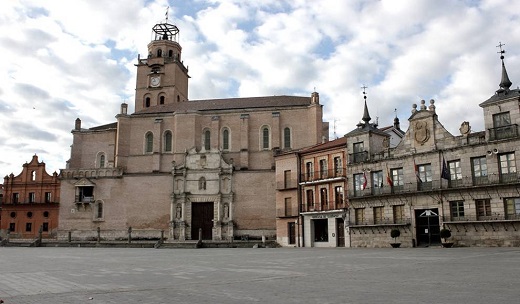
column 263, row 275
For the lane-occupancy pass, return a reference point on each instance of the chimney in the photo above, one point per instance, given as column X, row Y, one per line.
column 77, row 125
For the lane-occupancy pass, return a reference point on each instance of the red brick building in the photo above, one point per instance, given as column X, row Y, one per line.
column 30, row 201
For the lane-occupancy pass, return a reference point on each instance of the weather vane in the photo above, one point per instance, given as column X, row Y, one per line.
column 364, row 93
column 168, row 8
column 501, row 52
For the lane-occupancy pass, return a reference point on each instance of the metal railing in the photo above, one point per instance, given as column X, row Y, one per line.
column 326, row 174
column 326, row 206
column 358, row 157
column 503, row 132
column 463, row 183
column 383, row 221
column 481, row 218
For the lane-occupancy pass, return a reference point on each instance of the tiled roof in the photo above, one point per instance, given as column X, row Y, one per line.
column 501, row 96
column 229, row 104
column 340, row 142
column 104, row 127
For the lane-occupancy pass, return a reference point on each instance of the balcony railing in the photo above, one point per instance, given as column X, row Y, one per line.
column 382, row 222
column 84, row 199
column 321, row 175
column 91, row 173
column 358, row 157
column 481, row 218
column 465, row 182
column 504, row 132
column 327, row 206
column 287, row 212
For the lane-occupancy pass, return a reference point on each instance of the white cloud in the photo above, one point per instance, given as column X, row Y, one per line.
column 68, row 59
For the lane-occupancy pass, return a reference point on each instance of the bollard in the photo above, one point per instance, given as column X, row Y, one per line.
column 70, row 236
column 40, row 231
column 129, row 235
column 162, row 235
column 200, row 234
column 98, row 234
column 263, row 239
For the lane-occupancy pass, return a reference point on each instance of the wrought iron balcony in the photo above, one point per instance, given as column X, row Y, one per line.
column 503, row 132
column 321, row 175
column 358, row 157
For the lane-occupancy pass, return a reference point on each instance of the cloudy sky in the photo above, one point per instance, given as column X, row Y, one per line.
column 67, row 59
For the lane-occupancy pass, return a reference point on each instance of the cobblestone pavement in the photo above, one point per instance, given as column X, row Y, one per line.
column 296, row 275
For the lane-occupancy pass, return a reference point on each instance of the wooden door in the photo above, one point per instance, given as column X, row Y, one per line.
column 202, row 218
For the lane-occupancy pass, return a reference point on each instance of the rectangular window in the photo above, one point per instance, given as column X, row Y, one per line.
column 502, row 127
column 507, row 167
column 309, row 171
column 323, row 168
column 455, row 173
column 359, row 181
column 457, row 210
column 479, row 170
column 12, row 227
column 287, row 138
column 324, row 198
column 338, row 196
column 359, row 154
column 85, row 194
column 45, row 227
column 310, row 200
column 337, row 166
column 425, row 174
column 288, row 206
column 16, row 198
column 483, row 209
column 32, row 197
column 48, row 197
column 321, row 230
column 360, row 216
column 287, row 179
column 397, row 179
column 28, row 227
column 512, row 206
column 377, row 182
column 378, row 215
column 265, row 138
column 398, row 212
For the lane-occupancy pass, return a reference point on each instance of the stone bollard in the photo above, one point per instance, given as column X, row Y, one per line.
column 129, row 235
column 263, row 240
column 98, row 235
column 200, row 234
column 162, row 235
column 69, row 236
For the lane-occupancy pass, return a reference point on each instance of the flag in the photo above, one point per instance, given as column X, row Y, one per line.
column 445, row 171
column 388, row 177
column 364, row 180
column 416, row 168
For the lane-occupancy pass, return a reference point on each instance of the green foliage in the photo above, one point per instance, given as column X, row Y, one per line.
column 445, row 234
column 395, row 233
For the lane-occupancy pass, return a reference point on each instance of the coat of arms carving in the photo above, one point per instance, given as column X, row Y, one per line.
column 422, row 134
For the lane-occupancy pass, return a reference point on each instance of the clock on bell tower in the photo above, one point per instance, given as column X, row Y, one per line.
column 162, row 77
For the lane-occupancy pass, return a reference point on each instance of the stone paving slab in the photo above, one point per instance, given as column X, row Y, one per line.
column 264, row 275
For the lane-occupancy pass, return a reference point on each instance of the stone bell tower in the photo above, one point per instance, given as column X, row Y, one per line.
column 162, row 77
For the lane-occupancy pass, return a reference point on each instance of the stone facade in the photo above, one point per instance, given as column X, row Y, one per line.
column 30, row 203
column 433, row 180
column 178, row 165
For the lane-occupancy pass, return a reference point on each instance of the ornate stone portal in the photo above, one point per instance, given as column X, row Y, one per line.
column 202, row 197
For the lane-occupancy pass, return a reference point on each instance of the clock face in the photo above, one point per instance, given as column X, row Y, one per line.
column 155, row 81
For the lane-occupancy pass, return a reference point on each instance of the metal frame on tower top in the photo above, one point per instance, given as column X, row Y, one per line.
column 165, row 31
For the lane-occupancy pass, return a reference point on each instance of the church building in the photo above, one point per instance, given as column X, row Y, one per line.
column 183, row 166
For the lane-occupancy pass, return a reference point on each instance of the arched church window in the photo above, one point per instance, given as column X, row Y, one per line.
column 265, row 137
column 225, row 139
column 102, row 161
column 178, row 98
column 147, row 102
column 33, row 175
column 207, row 139
column 99, row 211
column 167, row 141
column 161, row 100
column 149, row 142
column 287, row 138
column 159, row 53
column 170, row 53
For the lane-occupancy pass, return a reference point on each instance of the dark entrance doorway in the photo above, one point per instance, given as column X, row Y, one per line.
column 340, row 227
column 427, row 225
column 292, row 233
column 202, row 217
